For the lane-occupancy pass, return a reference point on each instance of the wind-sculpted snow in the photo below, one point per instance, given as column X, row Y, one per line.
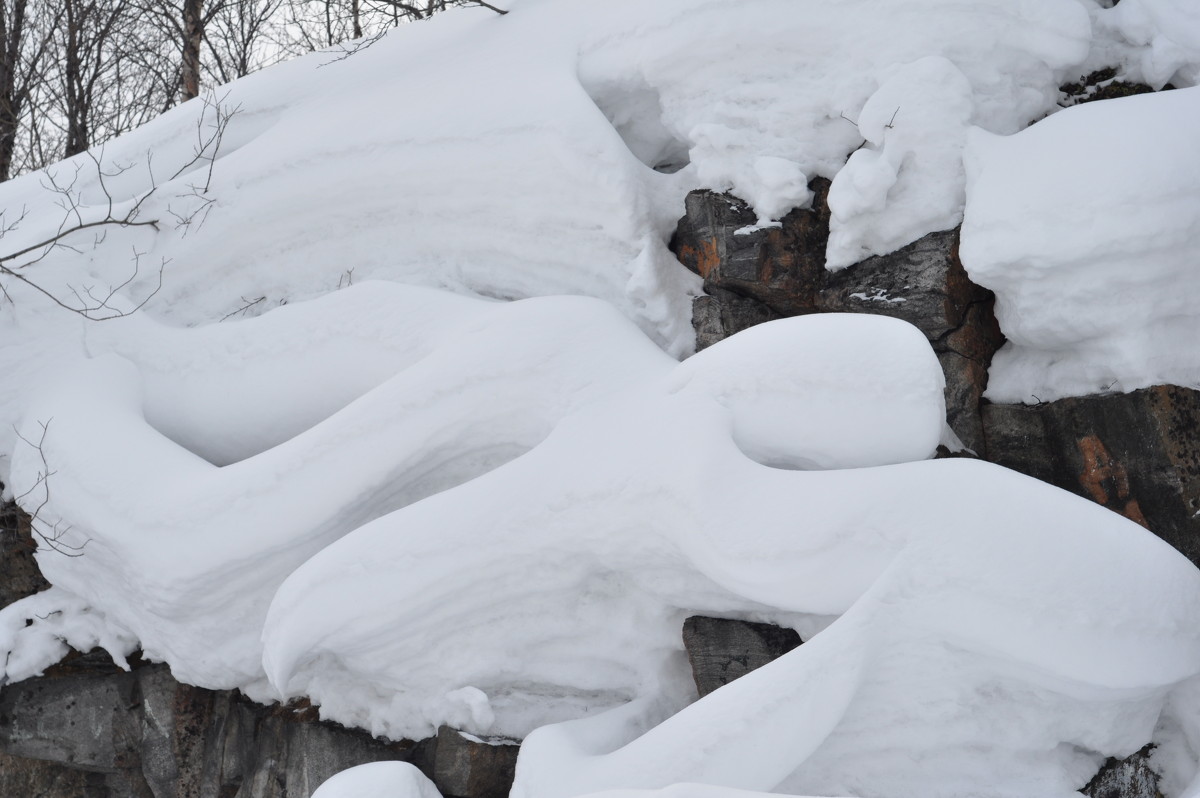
column 315, row 438
column 548, row 151
column 424, row 505
column 1095, row 272
column 507, row 530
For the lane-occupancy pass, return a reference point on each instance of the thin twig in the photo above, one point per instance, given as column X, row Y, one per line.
column 54, row 541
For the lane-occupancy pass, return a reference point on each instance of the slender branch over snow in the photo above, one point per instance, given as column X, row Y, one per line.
column 78, row 218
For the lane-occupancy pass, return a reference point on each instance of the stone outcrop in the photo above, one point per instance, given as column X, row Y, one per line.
column 778, row 267
column 721, row 650
column 90, row 729
column 87, row 729
column 752, row 275
column 1125, row 778
column 1101, row 84
column 464, row 766
column 1136, row 453
column 19, row 574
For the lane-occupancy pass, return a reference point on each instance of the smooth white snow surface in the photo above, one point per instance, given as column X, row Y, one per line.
column 509, row 530
column 378, row 780
column 516, row 156
column 186, row 555
column 1087, row 227
column 476, row 488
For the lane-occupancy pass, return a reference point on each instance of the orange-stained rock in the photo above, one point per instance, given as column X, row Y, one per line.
column 752, row 275
column 1136, row 453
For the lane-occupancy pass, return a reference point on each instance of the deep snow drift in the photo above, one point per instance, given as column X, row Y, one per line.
column 456, row 494
column 1095, row 271
column 595, row 117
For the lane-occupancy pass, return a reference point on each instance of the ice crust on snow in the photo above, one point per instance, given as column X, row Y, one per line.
column 1095, row 271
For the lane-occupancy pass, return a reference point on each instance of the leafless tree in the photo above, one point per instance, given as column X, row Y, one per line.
column 319, row 24
column 184, row 22
column 24, row 39
column 98, row 80
column 89, row 53
column 74, row 73
column 239, row 37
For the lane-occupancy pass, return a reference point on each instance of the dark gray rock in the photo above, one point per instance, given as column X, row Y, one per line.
column 721, row 650
column 72, row 720
column 1125, row 778
column 720, row 314
column 19, row 574
column 780, row 267
column 89, row 730
column 143, row 735
column 290, row 757
column 923, row 283
column 770, row 273
column 464, row 766
column 1137, row 454
column 32, row 777
column 1102, row 84
column 926, row 285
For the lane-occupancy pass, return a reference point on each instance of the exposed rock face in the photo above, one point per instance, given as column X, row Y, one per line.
column 1137, row 454
column 1125, row 778
column 89, row 730
column 1102, row 84
column 720, row 313
column 467, row 766
column 19, row 574
column 760, row 274
column 98, row 731
column 780, row 267
column 722, row 650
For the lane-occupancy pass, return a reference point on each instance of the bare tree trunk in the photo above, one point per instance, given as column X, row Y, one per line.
column 76, row 100
column 10, row 111
column 21, row 68
column 193, row 36
column 357, row 22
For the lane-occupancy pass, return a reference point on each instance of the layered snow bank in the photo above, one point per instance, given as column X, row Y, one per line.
column 964, row 663
column 422, row 391
column 547, row 151
column 508, row 531
column 421, row 507
column 1087, row 227
column 1160, row 39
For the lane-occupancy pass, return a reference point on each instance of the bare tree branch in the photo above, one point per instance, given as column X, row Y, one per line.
column 51, row 535
column 88, row 303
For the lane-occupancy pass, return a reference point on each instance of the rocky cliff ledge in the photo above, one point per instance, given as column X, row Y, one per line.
column 1136, row 453
column 88, row 729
